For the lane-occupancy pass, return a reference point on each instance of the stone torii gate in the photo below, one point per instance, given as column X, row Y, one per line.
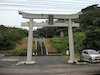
column 32, row 24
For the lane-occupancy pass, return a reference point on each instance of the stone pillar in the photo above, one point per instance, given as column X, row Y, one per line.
column 30, row 41
column 71, row 44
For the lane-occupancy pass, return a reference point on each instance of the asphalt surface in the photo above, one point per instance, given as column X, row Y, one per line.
column 45, row 65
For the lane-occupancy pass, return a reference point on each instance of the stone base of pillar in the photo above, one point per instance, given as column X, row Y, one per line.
column 71, row 62
column 26, row 62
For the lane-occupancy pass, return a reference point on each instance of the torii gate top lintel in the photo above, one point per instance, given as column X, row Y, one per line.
column 45, row 16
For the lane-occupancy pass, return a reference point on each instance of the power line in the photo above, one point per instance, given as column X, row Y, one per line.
column 71, row 6
column 43, row 3
column 39, row 10
column 38, row 6
column 40, row 3
column 50, row 1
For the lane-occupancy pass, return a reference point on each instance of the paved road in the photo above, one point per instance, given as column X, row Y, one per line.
column 51, row 65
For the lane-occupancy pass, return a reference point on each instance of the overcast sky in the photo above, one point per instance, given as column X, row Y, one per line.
column 9, row 8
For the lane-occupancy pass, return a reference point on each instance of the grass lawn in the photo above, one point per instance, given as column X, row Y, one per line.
column 77, row 56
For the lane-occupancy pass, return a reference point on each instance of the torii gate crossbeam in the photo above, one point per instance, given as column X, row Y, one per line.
column 47, row 25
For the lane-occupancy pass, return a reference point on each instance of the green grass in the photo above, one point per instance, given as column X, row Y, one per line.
column 66, row 56
column 77, row 56
column 20, row 52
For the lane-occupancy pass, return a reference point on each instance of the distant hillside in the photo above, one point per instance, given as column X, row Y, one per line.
column 9, row 36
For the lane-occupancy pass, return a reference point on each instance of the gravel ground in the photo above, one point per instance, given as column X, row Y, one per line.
column 51, row 65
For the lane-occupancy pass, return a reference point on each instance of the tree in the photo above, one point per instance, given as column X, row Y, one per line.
column 90, row 19
column 92, row 40
column 90, row 24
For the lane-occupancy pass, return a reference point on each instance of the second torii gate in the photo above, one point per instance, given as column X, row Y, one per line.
column 70, row 24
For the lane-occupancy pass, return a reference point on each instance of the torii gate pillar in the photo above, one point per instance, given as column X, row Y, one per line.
column 71, row 44
column 30, row 39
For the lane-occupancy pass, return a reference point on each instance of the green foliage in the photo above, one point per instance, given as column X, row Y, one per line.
column 90, row 8
column 20, row 52
column 66, row 56
column 92, row 39
column 90, row 19
column 96, row 22
column 6, row 43
column 9, row 36
column 90, row 24
column 61, row 44
column 49, row 32
column 79, row 37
